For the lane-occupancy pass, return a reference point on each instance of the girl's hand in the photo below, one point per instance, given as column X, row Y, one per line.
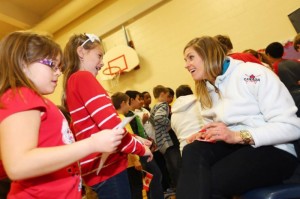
column 106, row 140
column 146, row 142
column 148, row 153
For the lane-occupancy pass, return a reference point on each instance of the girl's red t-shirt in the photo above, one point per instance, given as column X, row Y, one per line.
column 54, row 131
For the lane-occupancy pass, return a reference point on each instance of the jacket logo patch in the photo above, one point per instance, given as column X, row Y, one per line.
column 252, row 78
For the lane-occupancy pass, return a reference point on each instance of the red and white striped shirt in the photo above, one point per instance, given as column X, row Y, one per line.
column 92, row 111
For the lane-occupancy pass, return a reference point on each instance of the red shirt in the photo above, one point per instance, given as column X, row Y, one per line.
column 91, row 111
column 275, row 67
column 54, row 131
column 245, row 57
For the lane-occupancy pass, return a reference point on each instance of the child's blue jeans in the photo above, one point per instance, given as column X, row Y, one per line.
column 116, row 187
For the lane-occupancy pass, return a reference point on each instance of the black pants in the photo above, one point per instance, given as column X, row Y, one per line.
column 173, row 163
column 161, row 163
column 220, row 170
column 156, row 189
column 135, row 178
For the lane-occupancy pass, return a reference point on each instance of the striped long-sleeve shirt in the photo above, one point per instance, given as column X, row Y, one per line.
column 92, row 111
column 160, row 121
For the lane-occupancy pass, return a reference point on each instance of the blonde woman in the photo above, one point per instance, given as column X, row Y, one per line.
column 247, row 144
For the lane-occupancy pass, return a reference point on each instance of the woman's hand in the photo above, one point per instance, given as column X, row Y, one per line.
column 218, row 131
column 193, row 137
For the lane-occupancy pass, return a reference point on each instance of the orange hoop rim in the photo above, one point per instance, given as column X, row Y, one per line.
column 104, row 72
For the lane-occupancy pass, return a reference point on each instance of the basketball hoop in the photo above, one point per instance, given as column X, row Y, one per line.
column 111, row 71
column 118, row 58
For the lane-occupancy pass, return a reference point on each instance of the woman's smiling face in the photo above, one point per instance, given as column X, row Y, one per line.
column 194, row 64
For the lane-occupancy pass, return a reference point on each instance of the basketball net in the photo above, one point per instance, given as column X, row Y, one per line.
column 114, row 81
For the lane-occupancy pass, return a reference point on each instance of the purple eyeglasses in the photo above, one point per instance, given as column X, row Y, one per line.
column 50, row 63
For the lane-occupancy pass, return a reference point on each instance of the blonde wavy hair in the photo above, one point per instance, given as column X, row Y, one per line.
column 213, row 56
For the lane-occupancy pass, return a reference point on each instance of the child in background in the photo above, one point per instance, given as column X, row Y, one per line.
column 176, row 155
column 136, row 124
column 91, row 110
column 39, row 154
column 170, row 99
column 170, row 96
column 186, row 118
column 144, row 115
column 156, row 190
column 147, row 100
column 160, row 119
column 134, row 168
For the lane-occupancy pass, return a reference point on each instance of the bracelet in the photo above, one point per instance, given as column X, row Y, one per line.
column 246, row 136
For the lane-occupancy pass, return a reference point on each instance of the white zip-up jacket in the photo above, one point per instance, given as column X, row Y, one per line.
column 186, row 118
column 254, row 99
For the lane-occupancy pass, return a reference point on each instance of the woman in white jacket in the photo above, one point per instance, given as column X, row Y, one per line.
column 248, row 143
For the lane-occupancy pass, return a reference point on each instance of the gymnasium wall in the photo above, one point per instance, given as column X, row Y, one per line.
column 161, row 28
